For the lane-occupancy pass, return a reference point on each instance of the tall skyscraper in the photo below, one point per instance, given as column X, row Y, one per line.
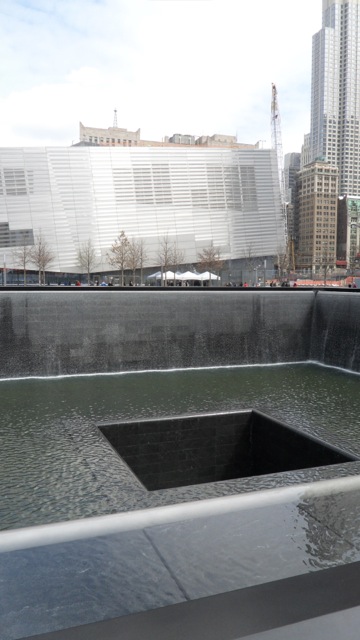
column 335, row 98
column 291, row 168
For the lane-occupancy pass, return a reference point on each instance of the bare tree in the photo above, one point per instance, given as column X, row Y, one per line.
column 209, row 259
column 166, row 254
column 251, row 261
column 86, row 258
column 142, row 257
column 41, row 256
column 283, row 263
column 327, row 261
column 22, row 257
column 119, row 254
column 137, row 255
column 169, row 255
column 178, row 257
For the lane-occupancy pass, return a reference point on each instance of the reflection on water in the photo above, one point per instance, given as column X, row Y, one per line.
column 48, row 433
column 237, row 550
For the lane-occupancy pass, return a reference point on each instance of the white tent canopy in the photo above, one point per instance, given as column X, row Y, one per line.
column 167, row 275
column 207, row 275
column 188, row 275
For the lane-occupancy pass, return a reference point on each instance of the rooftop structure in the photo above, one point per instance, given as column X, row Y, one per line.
column 116, row 136
column 113, row 136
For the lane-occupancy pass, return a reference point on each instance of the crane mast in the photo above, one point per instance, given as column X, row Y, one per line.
column 276, row 143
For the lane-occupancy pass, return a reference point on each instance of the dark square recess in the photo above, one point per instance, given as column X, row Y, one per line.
column 187, row 450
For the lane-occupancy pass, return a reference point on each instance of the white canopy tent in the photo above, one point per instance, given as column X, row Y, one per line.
column 207, row 275
column 188, row 275
column 167, row 275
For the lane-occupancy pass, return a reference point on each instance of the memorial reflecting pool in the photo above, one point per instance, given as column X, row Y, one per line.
column 56, row 465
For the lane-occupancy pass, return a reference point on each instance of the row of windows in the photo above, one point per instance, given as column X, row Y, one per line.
column 16, row 182
column 124, row 142
column 15, row 238
column 220, row 186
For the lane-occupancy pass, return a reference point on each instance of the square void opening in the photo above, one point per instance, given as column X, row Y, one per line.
column 183, row 450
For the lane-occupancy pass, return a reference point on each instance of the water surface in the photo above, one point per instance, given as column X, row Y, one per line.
column 55, row 464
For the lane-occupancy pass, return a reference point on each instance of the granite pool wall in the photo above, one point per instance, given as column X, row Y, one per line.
column 76, row 331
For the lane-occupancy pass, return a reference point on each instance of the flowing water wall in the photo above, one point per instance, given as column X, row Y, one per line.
column 52, row 332
column 336, row 329
column 66, row 332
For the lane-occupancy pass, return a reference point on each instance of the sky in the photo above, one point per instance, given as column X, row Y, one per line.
column 167, row 66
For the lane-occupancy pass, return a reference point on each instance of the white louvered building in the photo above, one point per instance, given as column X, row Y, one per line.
column 195, row 196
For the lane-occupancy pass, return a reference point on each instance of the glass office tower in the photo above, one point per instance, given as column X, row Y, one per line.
column 335, row 100
column 194, row 196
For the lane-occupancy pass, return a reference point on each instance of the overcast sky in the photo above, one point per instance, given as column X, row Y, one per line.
column 167, row 66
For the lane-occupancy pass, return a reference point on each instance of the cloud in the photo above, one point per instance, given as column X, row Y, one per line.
column 167, row 66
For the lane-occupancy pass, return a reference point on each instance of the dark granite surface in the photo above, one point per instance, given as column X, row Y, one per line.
column 58, row 586
column 333, row 626
column 137, row 497
column 122, row 491
column 334, row 339
column 321, row 606
column 74, row 583
column 53, row 332
column 184, row 451
column 62, row 332
column 69, row 584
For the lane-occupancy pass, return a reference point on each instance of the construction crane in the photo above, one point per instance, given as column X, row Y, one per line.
column 276, row 143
